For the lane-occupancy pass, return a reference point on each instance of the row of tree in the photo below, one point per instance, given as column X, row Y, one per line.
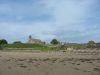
column 3, row 41
column 53, row 42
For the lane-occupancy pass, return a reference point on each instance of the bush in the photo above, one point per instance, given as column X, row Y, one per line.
column 91, row 44
column 54, row 42
column 17, row 42
column 3, row 41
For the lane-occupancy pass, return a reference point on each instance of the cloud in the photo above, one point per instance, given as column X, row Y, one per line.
column 71, row 19
column 66, row 20
column 16, row 31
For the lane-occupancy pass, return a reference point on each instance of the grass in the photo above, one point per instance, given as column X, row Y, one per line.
column 42, row 47
column 36, row 47
column 29, row 46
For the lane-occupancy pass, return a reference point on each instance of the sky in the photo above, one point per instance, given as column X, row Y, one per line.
column 65, row 20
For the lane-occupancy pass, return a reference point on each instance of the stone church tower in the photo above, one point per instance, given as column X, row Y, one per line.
column 30, row 39
column 34, row 41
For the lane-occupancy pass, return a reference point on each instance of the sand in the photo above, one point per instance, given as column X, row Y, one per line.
column 48, row 63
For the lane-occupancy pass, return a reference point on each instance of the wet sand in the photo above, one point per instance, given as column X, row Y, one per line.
column 48, row 63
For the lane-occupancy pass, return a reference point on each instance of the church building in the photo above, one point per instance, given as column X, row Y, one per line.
column 34, row 41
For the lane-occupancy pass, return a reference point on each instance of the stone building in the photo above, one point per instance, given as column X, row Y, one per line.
column 34, row 41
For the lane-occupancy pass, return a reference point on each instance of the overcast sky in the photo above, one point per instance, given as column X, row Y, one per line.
column 66, row 20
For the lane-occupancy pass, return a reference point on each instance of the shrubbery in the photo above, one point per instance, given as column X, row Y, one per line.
column 17, row 42
column 54, row 41
column 3, row 41
column 91, row 44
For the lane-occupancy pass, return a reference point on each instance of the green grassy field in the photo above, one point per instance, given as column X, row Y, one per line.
column 43, row 47
column 31, row 46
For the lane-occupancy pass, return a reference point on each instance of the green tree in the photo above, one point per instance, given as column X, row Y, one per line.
column 3, row 41
column 54, row 41
column 91, row 44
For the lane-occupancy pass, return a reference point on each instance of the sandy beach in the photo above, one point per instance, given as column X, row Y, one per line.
column 48, row 63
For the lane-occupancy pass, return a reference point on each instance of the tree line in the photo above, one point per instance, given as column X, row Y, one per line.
column 89, row 44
